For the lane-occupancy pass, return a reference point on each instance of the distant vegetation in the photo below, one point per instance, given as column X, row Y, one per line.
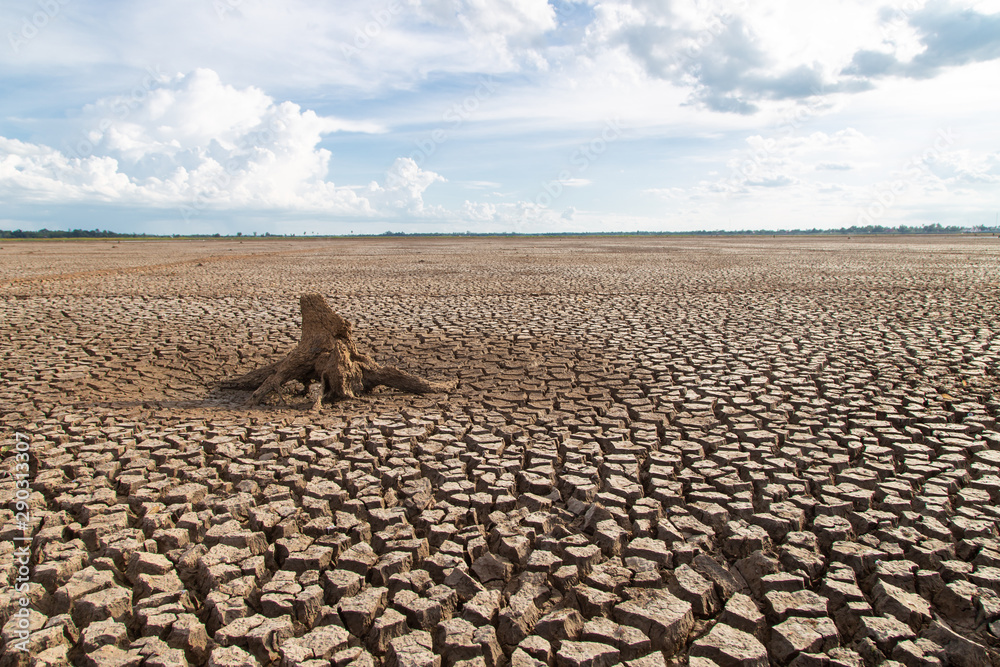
column 855, row 230
column 64, row 234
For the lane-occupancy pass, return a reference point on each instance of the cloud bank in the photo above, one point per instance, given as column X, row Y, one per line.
column 378, row 112
column 193, row 142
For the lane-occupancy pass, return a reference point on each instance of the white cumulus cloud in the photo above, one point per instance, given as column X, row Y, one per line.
column 194, row 142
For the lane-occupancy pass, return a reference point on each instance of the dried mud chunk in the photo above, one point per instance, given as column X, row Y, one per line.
column 307, row 605
column 959, row 651
column 358, row 559
column 486, row 637
column 586, row 654
column 517, row 620
column 585, row 557
column 729, row 647
column 441, row 564
column 775, row 526
column 665, row 619
column 453, row 640
column 956, row 601
column 612, row 539
column 741, row 613
column 46, row 647
column 885, row 631
column 594, row 602
column 87, row 580
column 521, row 658
column 482, row 609
column 802, row 635
column 321, row 643
column 54, row 574
column 231, row 656
column 265, row 639
column 566, row 577
column 223, row 610
column 315, row 557
column 192, row 494
column 464, row 585
column 840, row 590
column 412, row 650
column 421, row 612
column 921, row 652
column 688, row 585
column 388, row 626
column 744, row 539
column 232, row 534
column 537, row 647
column 804, row 560
column 114, row 603
column 782, row 604
column 338, row 584
column 909, row 608
column 515, row 548
column 353, row 657
column 560, row 625
column 108, row 632
column 159, row 654
column 609, row 577
column 631, row 642
column 360, row 611
column 830, row 529
column 490, row 567
column 218, row 566
column 726, row 585
column 650, row 549
column 188, row 634
column 235, row 633
column 111, row 656
column 394, row 562
column 148, row 563
column 148, row 584
column 755, row 567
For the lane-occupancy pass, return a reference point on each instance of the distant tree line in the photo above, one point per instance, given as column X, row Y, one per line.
column 935, row 228
column 64, row 234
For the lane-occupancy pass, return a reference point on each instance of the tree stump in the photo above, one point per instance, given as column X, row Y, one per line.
column 327, row 353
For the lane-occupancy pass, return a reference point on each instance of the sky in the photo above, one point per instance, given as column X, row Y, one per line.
column 341, row 117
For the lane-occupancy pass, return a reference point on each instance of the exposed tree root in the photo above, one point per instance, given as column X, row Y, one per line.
column 327, row 353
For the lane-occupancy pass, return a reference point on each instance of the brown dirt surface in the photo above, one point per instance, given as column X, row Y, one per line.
column 703, row 451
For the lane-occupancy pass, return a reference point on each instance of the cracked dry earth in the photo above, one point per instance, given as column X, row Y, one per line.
column 661, row 451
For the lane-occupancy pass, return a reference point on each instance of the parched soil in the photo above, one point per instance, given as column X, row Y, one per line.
column 701, row 451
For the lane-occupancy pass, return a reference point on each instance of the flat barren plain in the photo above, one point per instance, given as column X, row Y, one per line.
column 659, row 451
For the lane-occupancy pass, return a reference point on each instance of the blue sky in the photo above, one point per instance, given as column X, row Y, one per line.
column 204, row 116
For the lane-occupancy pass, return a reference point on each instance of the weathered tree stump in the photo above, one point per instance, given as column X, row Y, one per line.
column 327, row 353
